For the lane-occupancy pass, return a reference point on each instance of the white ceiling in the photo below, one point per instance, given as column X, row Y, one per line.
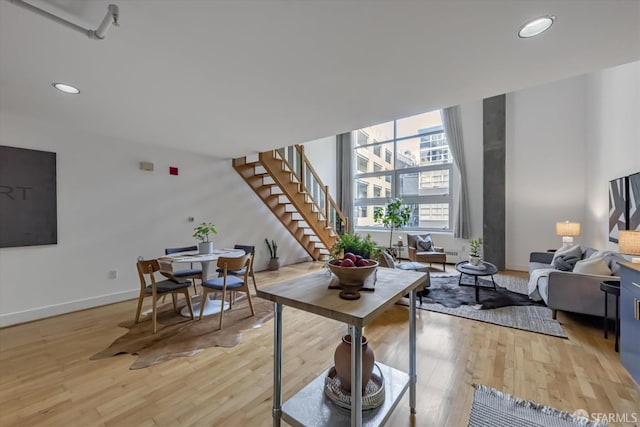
column 230, row 78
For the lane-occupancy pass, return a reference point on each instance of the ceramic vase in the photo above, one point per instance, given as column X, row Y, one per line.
column 205, row 247
column 342, row 360
column 474, row 260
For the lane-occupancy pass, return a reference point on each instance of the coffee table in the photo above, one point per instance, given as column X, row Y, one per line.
column 483, row 269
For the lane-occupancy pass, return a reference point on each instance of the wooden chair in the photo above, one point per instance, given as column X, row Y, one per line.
column 228, row 281
column 153, row 288
column 190, row 273
column 248, row 250
column 418, row 254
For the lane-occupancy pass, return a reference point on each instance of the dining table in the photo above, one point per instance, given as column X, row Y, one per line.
column 207, row 261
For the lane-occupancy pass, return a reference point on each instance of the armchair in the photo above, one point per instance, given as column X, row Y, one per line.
column 418, row 254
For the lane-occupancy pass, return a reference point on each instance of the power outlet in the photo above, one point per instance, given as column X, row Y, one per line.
column 113, row 274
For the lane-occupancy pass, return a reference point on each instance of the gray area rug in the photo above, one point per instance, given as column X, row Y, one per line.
column 493, row 408
column 533, row 318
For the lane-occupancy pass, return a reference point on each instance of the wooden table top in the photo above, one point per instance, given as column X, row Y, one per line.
column 311, row 293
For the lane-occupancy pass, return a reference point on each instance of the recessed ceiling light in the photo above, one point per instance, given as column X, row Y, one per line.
column 66, row 88
column 536, row 26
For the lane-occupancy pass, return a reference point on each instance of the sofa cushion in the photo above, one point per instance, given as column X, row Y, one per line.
column 593, row 265
column 612, row 259
column 538, row 265
column 567, row 250
column 565, row 262
column 425, row 244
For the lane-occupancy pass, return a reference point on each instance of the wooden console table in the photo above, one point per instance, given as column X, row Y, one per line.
column 310, row 293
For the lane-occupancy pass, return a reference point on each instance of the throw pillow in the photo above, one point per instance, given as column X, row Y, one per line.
column 425, row 244
column 565, row 262
column 612, row 259
column 592, row 265
column 388, row 260
column 574, row 251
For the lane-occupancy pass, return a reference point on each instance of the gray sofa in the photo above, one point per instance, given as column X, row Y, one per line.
column 574, row 292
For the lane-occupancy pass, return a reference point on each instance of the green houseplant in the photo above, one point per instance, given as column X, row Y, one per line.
column 475, row 246
column 394, row 215
column 357, row 245
column 274, row 263
column 201, row 232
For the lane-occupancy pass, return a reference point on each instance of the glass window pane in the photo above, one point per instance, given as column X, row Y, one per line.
column 380, row 133
column 362, row 138
column 434, row 149
column 424, row 183
column 373, row 186
column 408, row 155
column 418, row 124
column 365, row 216
column 433, row 215
column 374, row 163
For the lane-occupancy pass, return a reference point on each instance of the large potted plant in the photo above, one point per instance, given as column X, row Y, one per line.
column 393, row 216
column 274, row 263
column 201, row 233
column 363, row 246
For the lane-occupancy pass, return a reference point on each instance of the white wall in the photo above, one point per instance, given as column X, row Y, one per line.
column 545, row 166
column 613, row 142
column 110, row 212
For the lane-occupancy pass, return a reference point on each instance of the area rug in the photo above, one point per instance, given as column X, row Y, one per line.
column 179, row 336
column 494, row 408
column 460, row 301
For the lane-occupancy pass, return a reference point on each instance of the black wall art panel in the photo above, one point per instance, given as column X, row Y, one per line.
column 617, row 207
column 28, row 201
column 633, row 201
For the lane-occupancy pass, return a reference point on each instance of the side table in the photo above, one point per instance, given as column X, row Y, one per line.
column 611, row 287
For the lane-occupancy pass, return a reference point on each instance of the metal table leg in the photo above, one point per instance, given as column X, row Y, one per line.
column 356, row 376
column 277, row 364
column 413, row 378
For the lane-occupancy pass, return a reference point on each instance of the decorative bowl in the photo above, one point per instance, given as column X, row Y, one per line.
column 352, row 276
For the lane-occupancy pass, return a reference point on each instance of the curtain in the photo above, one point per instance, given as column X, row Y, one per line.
column 451, row 122
column 344, row 178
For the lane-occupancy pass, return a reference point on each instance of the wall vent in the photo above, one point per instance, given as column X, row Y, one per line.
column 452, row 253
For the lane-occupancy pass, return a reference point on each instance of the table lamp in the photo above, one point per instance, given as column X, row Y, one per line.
column 567, row 230
column 629, row 243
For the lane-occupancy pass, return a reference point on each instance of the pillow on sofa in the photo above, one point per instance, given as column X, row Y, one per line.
column 567, row 251
column 425, row 244
column 592, row 265
column 612, row 259
column 565, row 262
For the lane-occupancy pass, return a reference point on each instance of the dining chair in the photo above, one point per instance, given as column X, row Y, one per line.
column 190, row 273
column 230, row 282
column 149, row 287
column 248, row 250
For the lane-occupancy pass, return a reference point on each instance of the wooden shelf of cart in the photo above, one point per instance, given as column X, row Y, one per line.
column 310, row 293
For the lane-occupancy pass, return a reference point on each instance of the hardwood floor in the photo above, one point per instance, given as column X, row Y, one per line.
column 47, row 379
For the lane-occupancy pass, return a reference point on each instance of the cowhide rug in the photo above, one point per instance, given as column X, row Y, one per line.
column 179, row 336
column 447, row 292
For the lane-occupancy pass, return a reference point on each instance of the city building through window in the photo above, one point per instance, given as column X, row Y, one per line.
column 410, row 159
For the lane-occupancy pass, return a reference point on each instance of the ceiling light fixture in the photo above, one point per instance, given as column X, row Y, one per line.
column 536, row 26
column 66, row 88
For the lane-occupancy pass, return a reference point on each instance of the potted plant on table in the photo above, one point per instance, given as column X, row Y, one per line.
column 393, row 216
column 201, row 233
column 475, row 246
column 274, row 263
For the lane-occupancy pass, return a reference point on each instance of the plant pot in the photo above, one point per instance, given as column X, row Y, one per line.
column 474, row 260
column 274, row 264
column 342, row 360
column 205, row 247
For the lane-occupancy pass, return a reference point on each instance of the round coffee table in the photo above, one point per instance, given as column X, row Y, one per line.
column 483, row 269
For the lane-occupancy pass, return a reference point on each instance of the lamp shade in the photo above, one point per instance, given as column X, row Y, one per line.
column 629, row 242
column 568, row 228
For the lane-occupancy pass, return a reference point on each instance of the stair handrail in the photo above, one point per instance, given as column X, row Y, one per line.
column 327, row 196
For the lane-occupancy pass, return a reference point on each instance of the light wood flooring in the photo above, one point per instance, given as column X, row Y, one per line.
column 47, row 379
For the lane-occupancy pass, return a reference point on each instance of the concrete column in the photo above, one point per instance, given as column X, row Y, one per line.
column 493, row 180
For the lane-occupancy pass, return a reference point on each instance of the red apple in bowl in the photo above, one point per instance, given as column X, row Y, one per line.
column 347, row 262
column 350, row 256
column 362, row 262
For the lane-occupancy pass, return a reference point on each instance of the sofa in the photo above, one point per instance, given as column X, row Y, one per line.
column 573, row 291
column 421, row 249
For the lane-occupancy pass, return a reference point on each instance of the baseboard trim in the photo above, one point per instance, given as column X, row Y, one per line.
column 10, row 319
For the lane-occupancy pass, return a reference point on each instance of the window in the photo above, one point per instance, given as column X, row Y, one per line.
column 362, row 212
column 417, row 166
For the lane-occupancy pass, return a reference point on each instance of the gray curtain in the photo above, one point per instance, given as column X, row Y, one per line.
column 453, row 130
column 344, row 177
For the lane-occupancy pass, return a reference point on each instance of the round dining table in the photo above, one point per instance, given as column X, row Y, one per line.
column 211, row 306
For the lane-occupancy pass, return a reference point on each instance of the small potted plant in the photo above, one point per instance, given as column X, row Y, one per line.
column 274, row 263
column 475, row 246
column 201, row 233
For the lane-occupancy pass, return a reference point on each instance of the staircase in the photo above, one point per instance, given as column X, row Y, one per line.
column 287, row 183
